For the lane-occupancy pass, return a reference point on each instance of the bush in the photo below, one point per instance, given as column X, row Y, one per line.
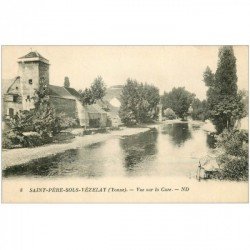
column 234, row 157
column 11, row 139
column 32, row 140
column 169, row 114
column 7, row 142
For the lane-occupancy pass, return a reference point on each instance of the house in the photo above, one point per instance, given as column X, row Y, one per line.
column 113, row 117
column 33, row 69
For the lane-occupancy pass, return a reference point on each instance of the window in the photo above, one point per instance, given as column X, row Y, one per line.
column 28, row 98
column 11, row 112
column 16, row 88
column 15, row 98
column 30, row 81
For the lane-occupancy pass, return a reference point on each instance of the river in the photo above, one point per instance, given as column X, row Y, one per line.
column 168, row 150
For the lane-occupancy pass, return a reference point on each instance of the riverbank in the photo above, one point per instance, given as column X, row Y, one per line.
column 12, row 157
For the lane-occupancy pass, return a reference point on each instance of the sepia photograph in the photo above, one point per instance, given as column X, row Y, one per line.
column 124, row 124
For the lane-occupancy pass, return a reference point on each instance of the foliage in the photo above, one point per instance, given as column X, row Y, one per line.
column 13, row 139
column 179, row 100
column 138, row 103
column 66, row 82
column 169, row 114
column 10, row 139
column 21, row 122
column 98, row 88
column 224, row 102
column 234, row 156
column 86, row 96
column 32, row 140
column 96, row 92
column 43, row 119
column 199, row 111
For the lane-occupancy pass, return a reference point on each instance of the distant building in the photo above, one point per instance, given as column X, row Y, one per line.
column 113, row 102
column 34, row 69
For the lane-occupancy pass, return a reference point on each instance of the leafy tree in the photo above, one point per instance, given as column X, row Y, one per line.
column 86, row 96
column 96, row 92
column 224, row 102
column 151, row 94
column 179, row 100
column 98, row 88
column 199, row 111
column 66, row 82
column 234, row 156
column 44, row 118
column 138, row 103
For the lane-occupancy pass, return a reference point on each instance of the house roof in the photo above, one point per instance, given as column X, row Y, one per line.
column 8, row 83
column 106, row 104
column 94, row 108
column 60, row 92
column 73, row 92
column 32, row 54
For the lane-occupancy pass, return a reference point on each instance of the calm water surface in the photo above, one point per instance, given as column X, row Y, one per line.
column 169, row 150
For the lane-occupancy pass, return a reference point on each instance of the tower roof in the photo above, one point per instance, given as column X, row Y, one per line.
column 33, row 56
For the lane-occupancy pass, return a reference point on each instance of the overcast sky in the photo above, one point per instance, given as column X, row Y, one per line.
column 164, row 66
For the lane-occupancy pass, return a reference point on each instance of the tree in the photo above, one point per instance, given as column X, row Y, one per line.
column 86, row 96
column 199, row 109
column 225, row 103
column 96, row 92
column 44, row 118
column 233, row 159
column 179, row 100
column 66, row 82
column 151, row 94
column 98, row 88
column 138, row 103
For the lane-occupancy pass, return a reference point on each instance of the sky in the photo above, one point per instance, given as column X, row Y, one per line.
column 163, row 66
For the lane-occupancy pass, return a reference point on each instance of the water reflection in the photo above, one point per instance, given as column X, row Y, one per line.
column 138, row 149
column 170, row 150
column 179, row 132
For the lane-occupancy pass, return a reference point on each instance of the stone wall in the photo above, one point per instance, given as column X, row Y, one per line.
column 28, row 71
column 66, row 106
column 44, row 72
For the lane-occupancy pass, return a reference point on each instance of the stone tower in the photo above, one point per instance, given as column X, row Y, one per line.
column 32, row 70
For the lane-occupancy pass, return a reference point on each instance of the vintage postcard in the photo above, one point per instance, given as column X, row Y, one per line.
column 124, row 124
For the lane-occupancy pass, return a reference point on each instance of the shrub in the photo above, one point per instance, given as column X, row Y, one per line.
column 7, row 142
column 234, row 156
column 169, row 114
column 11, row 139
column 32, row 140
